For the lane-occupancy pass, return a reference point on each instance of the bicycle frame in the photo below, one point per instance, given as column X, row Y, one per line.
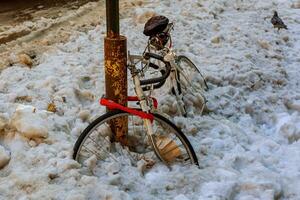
column 171, row 57
column 143, row 100
column 145, row 105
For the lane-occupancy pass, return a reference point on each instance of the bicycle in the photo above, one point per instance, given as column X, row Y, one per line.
column 150, row 135
column 184, row 74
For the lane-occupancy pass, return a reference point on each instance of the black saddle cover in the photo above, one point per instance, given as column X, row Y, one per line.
column 155, row 25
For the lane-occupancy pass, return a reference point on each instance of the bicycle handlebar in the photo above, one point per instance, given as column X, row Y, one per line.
column 159, row 80
column 149, row 55
column 158, row 85
column 154, row 66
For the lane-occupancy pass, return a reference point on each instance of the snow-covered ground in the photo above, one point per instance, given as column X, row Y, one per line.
column 248, row 147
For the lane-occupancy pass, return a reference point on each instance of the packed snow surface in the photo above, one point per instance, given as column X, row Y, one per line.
column 248, row 146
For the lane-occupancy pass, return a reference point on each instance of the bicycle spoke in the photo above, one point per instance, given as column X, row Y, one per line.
column 95, row 143
column 92, row 152
column 145, row 135
column 103, row 149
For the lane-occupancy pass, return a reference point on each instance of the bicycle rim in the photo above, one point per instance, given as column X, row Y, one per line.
column 191, row 71
column 94, row 142
column 190, row 84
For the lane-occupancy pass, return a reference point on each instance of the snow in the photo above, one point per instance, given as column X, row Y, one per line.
column 288, row 126
column 4, row 157
column 248, row 147
column 3, row 120
column 30, row 122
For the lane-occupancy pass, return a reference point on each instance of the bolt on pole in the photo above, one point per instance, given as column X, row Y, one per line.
column 115, row 55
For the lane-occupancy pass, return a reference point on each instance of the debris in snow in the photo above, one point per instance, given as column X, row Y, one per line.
column 285, row 38
column 145, row 164
column 293, row 105
column 114, row 179
column 44, row 42
column 68, row 164
column 84, row 115
column 91, row 162
column 84, row 95
column 24, row 98
column 264, row 44
column 4, row 157
column 288, row 126
column 216, row 40
column 25, row 60
column 51, row 107
column 4, row 120
column 30, row 122
column 52, row 176
column 32, row 143
column 141, row 166
column 296, row 5
column 113, row 168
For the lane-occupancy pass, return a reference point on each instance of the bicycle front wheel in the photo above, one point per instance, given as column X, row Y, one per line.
column 190, row 86
column 94, row 143
column 192, row 73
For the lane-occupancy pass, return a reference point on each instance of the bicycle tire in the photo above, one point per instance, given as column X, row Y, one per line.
column 187, row 77
column 184, row 146
column 192, row 65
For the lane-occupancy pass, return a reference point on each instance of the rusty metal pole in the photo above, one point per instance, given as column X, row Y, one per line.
column 115, row 54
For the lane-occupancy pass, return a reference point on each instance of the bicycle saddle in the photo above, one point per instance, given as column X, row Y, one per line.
column 155, row 25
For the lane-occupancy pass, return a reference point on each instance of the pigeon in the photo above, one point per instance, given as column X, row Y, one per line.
column 277, row 22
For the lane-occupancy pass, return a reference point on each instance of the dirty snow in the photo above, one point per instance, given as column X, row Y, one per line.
column 248, row 146
column 4, row 157
column 30, row 122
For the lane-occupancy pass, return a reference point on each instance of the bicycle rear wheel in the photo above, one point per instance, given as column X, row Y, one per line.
column 95, row 142
column 189, row 87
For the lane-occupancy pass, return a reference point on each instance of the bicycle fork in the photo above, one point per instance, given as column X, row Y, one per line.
column 147, row 122
column 177, row 90
column 176, row 80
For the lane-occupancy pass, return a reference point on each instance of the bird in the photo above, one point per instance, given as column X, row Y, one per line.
column 277, row 22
